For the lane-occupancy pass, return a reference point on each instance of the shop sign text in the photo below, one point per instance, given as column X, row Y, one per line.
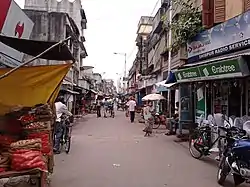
column 223, row 69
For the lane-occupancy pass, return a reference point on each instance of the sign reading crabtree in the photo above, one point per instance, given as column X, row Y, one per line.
column 217, row 70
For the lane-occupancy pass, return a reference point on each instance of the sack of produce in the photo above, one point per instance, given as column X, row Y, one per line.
column 45, row 141
column 37, row 125
column 4, row 162
column 24, row 159
column 26, row 119
column 42, row 110
column 27, row 144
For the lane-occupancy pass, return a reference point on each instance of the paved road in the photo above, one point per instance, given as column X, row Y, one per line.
column 114, row 153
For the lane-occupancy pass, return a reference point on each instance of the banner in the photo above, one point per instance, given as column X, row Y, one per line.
column 13, row 23
column 29, row 86
column 200, row 105
column 230, row 36
column 218, row 70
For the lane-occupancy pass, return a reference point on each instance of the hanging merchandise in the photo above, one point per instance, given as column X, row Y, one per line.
column 200, row 105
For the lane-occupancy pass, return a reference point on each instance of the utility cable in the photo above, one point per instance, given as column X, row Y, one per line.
column 152, row 13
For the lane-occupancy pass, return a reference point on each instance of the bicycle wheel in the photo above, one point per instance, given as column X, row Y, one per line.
column 193, row 149
column 156, row 125
column 67, row 145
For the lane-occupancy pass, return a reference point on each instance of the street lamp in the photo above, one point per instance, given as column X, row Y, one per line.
column 125, row 62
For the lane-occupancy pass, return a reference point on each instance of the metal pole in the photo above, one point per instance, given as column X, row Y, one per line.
column 34, row 58
column 125, row 71
column 170, row 50
column 140, row 53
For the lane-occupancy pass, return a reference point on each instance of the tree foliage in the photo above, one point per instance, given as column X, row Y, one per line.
column 187, row 23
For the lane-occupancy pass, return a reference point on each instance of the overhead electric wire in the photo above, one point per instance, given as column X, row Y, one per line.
column 152, row 13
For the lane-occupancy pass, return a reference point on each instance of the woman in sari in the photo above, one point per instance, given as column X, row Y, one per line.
column 147, row 114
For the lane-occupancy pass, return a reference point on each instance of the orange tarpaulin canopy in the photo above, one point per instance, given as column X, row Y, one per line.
column 28, row 86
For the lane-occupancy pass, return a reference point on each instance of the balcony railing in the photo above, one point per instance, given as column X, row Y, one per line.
column 145, row 20
column 157, row 23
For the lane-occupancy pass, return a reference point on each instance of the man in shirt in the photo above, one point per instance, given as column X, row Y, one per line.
column 61, row 109
column 105, row 106
column 131, row 107
column 98, row 108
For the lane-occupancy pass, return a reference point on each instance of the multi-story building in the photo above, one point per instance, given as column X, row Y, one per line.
column 217, row 11
column 145, row 26
column 138, row 71
column 86, row 80
column 204, row 80
column 109, row 87
column 73, row 8
column 56, row 21
column 132, row 79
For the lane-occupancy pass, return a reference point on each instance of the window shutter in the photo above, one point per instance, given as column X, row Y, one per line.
column 207, row 13
column 219, row 11
column 246, row 5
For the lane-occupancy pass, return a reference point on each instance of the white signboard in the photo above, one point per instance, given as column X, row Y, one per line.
column 17, row 24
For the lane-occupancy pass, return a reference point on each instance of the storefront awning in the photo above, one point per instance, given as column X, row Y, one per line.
column 163, row 83
column 162, row 87
column 220, row 69
column 34, row 48
column 171, row 78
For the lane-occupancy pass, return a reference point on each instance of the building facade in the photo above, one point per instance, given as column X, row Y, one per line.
column 138, row 71
column 56, row 21
column 215, row 77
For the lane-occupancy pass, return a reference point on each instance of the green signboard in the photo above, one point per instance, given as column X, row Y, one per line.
column 222, row 69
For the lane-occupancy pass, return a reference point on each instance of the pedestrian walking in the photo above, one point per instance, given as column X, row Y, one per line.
column 148, row 117
column 131, row 108
column 98, row 108
column 105, row 106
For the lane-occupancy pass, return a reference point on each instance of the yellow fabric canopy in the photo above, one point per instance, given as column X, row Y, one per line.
column 32, row 85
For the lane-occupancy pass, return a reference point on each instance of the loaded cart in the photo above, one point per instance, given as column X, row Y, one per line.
column 27, row 113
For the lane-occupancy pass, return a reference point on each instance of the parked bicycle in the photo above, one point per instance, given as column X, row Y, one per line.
column 159, row 120
column 67, row 130
column 201, row 141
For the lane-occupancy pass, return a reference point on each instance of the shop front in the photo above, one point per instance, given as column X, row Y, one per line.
column 163, row 89
column 217, row 87
column 145, row 87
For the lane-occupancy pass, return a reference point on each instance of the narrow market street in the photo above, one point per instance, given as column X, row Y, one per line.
column 113, row 152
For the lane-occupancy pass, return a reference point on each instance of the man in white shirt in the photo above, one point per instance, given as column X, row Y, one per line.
column 61, row 109
column 131, row 107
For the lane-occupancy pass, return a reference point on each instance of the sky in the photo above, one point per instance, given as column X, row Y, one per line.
column 111, row 27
